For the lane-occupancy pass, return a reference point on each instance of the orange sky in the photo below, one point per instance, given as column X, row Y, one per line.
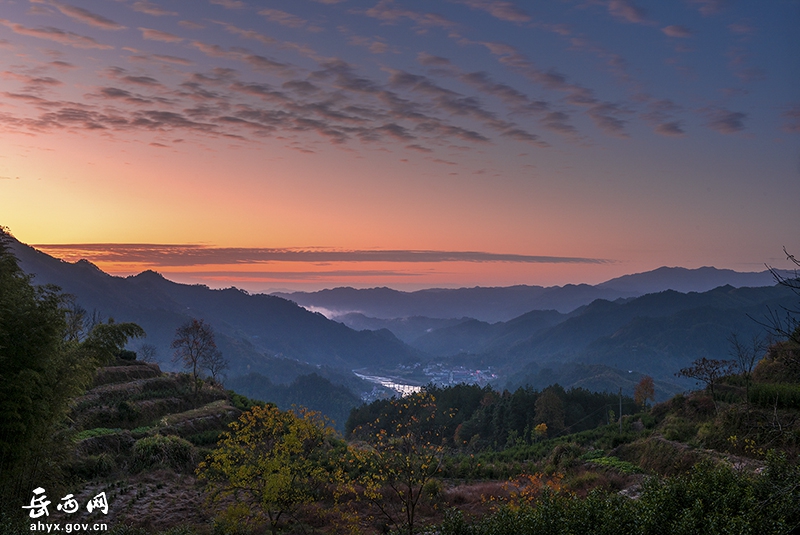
column 666, row 136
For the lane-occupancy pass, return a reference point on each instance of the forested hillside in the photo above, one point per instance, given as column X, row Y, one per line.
column 257, row 333
column 603, row 345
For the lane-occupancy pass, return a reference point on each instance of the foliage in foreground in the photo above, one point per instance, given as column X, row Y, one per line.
column 709, row 499
column 404, row 461
column 270, row 463
column 49, row 352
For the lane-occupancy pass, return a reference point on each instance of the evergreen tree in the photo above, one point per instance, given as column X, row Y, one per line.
column 42, row 367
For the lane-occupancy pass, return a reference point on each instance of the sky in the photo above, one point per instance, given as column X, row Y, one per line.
column 304, row 144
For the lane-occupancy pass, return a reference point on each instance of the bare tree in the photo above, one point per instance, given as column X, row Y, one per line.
column 79, row 322
column 147, row 353
column 216, row 365
column 193, row 345
column 76, row 321
column 746, row 355
column 785, row 322
column 708, row 371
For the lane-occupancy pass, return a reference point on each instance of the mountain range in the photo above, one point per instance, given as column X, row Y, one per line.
column 256, row 332
column 655, row 334
column 600, row 337
column 505, row 303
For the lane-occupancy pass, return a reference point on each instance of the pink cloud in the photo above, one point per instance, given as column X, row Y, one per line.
column 158, row 35
column 677, row 31
column 627, row 11
column 498, row 9
column 149, row 8
column 83, row 15
column 55, row 34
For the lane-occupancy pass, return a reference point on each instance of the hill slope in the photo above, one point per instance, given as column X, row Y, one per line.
column 247, row 326
column 656, row 334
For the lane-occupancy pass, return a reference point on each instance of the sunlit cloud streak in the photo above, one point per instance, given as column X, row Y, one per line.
column 57, row 35
column 607, row 116
column 163, row 58
column 283, row 18
column 321, row 275
column 502, row 10
column 149, row 8
column 192, row 255
column 677, row 31
column 627, row 11
column 709, row 7
column 82, row 15
column 229, row 4
column 157, row 35
column 387, row 12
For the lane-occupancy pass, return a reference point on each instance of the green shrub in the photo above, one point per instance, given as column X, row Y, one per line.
column 564, row 454
column 785, row 395
column 592, row 454
column 93, row 466
column 205, row 438
column 126, row 354
column 159, row 450
column 127, row 411
column 243, row 403
column 615, row 463
column 141, row 431
column 583, row 481
column 223, row 526
column 679, row 429
column 648, row 420
column 96, row 432
column 552, row 514
column 433, row 489
column 711, row 499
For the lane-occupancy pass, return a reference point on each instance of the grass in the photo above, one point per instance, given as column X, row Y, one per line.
column 615, row 463
column 97, row 432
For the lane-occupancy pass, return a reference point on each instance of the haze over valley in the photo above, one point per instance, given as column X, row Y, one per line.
column 600, row 337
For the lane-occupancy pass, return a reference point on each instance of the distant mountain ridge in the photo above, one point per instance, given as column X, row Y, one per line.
column 493, row 304
column 481, row 303
column 253, row 331
column 686, row 280
column 656, row 334
column 600, row 342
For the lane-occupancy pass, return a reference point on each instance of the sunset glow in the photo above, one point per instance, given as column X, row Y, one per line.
column 318, row 143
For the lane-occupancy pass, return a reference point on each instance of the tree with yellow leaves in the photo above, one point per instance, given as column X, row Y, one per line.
column 397, row 458
column 271, row 462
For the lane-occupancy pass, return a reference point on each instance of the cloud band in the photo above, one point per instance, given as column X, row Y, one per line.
column 192, row 255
